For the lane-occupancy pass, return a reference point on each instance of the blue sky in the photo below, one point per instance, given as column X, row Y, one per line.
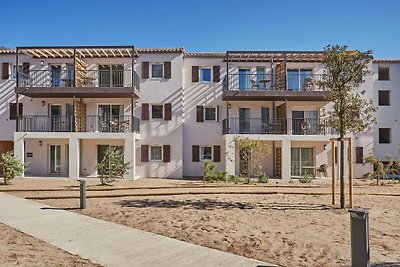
column 206, row 25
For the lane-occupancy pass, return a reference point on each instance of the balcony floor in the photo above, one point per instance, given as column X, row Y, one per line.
column 271, row 95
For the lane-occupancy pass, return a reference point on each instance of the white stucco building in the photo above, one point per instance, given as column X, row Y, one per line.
column 171, row 110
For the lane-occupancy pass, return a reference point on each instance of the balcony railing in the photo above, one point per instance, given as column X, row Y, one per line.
column 276, row 126
column 88, row 123
column 71, row 78
column 275, row 82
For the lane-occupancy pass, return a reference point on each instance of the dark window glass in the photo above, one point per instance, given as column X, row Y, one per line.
column 383, row 73
column 383, row 98
column 384, row 135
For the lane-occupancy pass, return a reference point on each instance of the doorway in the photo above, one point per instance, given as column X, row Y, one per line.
column 54, row 159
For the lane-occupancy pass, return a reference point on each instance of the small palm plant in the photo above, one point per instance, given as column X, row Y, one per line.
column 12, row 167
column 112, row 166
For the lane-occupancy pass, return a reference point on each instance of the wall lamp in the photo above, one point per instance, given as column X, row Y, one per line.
column 229, row 106
column 43, row 103
column 40, row 143
column 41, row 63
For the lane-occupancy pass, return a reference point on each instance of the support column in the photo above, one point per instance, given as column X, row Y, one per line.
column 19, row 149
column 230, row 161
column 129, row 156
column 73, row 159
column 286, row 159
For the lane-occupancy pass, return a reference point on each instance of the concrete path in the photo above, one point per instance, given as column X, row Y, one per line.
column 107, row 243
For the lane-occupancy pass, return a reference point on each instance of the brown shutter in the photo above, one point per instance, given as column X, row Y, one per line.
column 145, row 112
column 25, row 68
column 144, row 153
column 217, row 113
column 217, row 153
column 13, row 110
column 166, row 153
column 216, row 70
column 359, row 155
column 167, row 70
column 145, row 70
column 167, row 111
column 5, row 71
column 336, row 155
column 200, row 113
column 195, row 74
column 195, row 153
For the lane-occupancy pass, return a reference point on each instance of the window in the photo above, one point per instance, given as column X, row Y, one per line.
column 206, row 153
column 155, row 153
column 383, row 73
column 298, row 79
column 157, row 70
column 157, row 112
column 384, row 98
column 359, row 155
column 205, row 75
column 384, row 135
column 111, row 75
column 210, row 113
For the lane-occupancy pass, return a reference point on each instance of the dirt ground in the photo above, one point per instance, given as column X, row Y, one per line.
column 19, row 249
column 281, row 228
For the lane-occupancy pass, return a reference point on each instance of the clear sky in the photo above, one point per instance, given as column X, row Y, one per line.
column 206, row 25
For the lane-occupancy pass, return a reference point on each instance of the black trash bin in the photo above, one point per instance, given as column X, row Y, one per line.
column 359, row 238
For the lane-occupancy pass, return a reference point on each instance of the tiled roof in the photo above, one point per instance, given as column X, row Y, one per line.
column 205, row 54
column 160, row 50
column 394, row 60
column 4, row 50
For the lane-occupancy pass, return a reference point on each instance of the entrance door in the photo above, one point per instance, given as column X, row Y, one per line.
column 244, row 79
column 244, row 120
column 55, row 75
column 55, row 159
column 55, row 118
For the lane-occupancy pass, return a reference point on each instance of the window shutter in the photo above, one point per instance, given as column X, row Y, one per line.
column 336, row 155
column 13, row 110
column 145, row 112
column 167, row 70
column 145, row 70
column 217, row 113
column 359, row 155
column 216, row 74
column 166, row 153
column 5, row 71
column 25, row 68
column 200, row 113
column 195, row 153
column 217, row 153
column 144, row 153
column 195, row 74
column 167, row 111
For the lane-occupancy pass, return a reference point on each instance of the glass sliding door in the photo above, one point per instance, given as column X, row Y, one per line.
column 244, row 79
column 304, row 79
column 264, row 119
column 55, row 75
column 244, row 120
column 110, row 117
column 111, row 75
column 55, row 159
column 302, row 161
column 304, row 122
column 261, row 79
column 55, row 118
column 298, row 79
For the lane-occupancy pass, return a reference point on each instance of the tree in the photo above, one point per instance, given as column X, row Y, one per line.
column 382, row 170
column 351, row 112
column 12, row 167
column 251, row 152
column 112, row 166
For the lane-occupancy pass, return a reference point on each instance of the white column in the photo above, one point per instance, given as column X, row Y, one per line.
column 19, row 152
column 73, row 158
column 230, row 162
column 129, row 156
column 286, row 159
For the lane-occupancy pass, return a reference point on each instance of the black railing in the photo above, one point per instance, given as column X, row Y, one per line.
column 274, row 82
column 84, row 78
column 88, row 123
column 276, row 126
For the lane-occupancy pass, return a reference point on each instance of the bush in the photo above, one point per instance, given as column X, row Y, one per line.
column 306, row 179
column 235, row 179
column 12, row 167
column 112, row 166
column 262, row 177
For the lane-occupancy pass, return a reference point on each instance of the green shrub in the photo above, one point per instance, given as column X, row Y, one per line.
column 235, row 179
column 262, row 177
column 12, row 167
column 305, row 179
column 112, row 166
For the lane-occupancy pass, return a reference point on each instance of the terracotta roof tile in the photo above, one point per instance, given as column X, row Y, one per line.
column 392, row 60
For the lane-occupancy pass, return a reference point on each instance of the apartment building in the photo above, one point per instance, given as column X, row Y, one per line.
column 169, row 110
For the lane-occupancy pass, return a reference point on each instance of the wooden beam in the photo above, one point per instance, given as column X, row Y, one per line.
column 33, row 53
column 350, row 150
column 87, row 51
column 120, row 52
column 80, row 53
column 97, row 53
column 104, row 52
column 333, row 170
column 55, row 51
column 65, row 52
column 49, row 52
column 112, row 52
column 43, row 54
column 129, row 52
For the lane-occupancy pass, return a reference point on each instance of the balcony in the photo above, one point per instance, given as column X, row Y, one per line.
column 88, row 123
column 279, row 87
column 276, row 126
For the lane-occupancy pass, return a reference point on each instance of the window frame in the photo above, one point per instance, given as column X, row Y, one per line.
column 201, row 152
column 162, row 112
column 151, row 70
column 379, row 98
column 201, row 76
column 380, row 139
column 388, row 74
column 162, row 153
column 215, row 113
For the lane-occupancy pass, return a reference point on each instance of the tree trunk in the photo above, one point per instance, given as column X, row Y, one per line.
column 341, row 175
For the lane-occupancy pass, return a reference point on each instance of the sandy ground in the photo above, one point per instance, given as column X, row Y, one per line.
column 19, row 249
column 285, row 229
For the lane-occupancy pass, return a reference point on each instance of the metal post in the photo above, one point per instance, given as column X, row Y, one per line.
column 82, row 193
column 132, row 121
column 359, row 226
column 227, row 88
column 133, row 66
column 74, row 67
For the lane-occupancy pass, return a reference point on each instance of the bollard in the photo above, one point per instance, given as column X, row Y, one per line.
column 359, row 221
column 82, row 190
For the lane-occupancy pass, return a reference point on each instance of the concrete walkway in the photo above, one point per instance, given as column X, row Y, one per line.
column 107, row 243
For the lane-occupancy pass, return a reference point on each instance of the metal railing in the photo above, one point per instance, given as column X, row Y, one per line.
column 88, row 123
column 272, row 82
column 84, row 78
column 276, row 126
